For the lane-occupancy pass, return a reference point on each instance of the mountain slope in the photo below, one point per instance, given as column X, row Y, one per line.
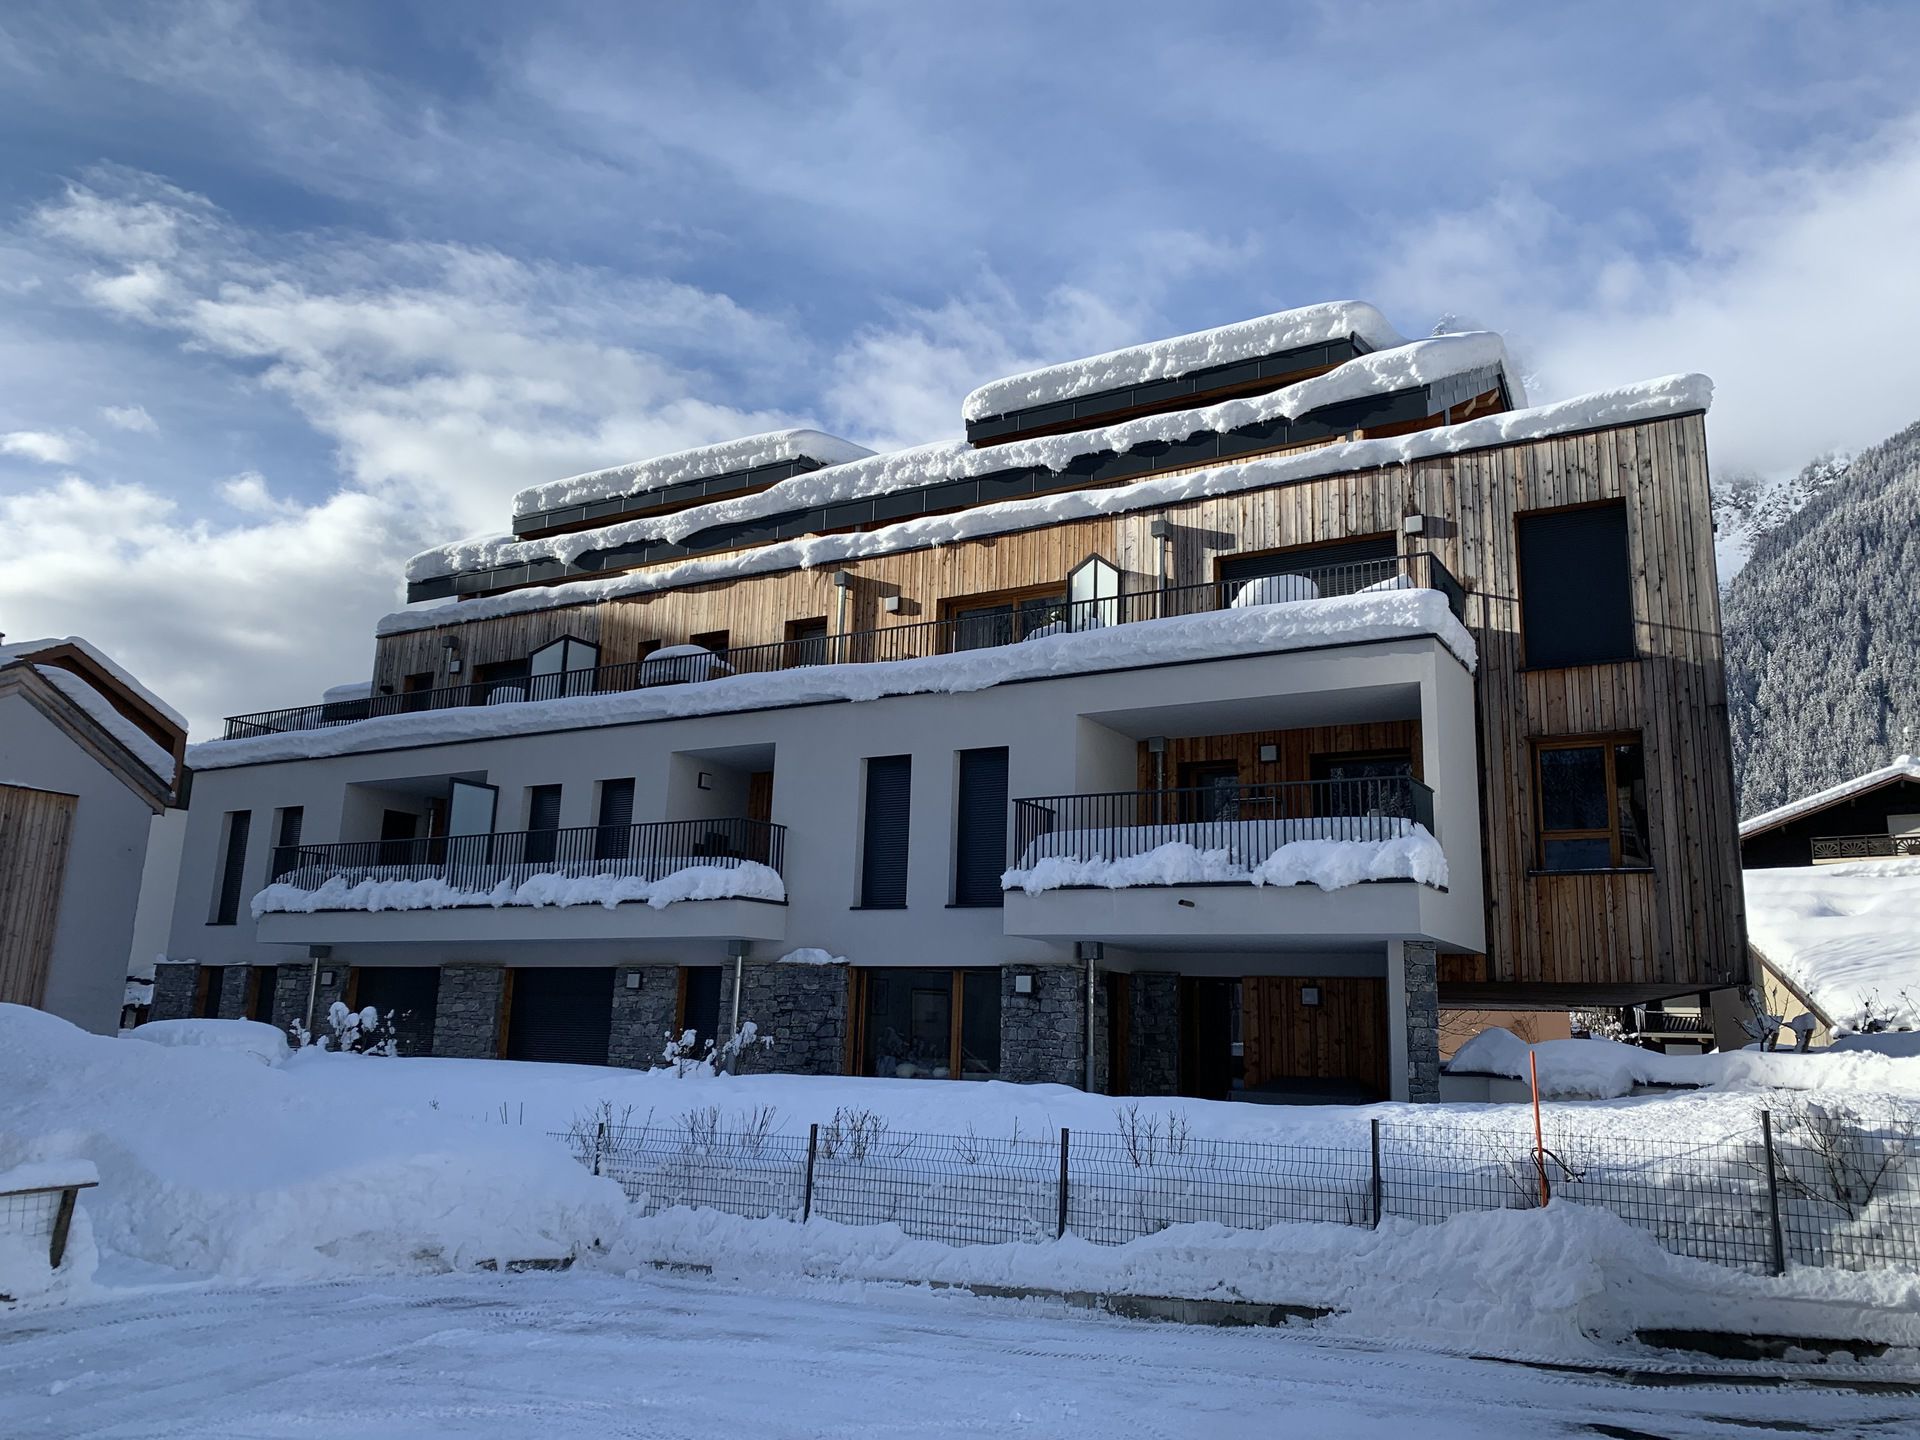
column 1822, row 624
column 1746, row 509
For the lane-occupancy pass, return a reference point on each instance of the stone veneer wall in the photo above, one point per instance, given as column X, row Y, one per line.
column 466, row 1023
column 1421, row 968
column 1043, row 1035
column 233, row 992
column 804, row 1009
column 1153, row 1034
column 173, row 985
column 290, row 993
column 643, row 1018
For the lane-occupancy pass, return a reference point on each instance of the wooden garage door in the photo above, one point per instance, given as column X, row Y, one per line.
column 35, row 830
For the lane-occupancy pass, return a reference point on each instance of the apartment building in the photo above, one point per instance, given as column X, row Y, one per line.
column 1205, row 720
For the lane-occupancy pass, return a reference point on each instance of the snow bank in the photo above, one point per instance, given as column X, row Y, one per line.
column 1846, row 936
column 1329, row 864
column 264, row 1043
column 1903, row 767
column 1182, row 354
column 703, row 462
column 1604, row 1069
column 1345, row 619
column 137, row 741
column 811, row 955
column 1650, row 400
column 211, row 1162
column 693, row 882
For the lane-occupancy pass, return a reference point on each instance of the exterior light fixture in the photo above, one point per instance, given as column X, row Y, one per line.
column 1186, row 904
column 842, row 578
column 1161, row 529
column 633, row 979
column 891, row 604
column 1309, row 994
column 1023, row 984
column 1414, row 525
column 705, row 782
column 1269, row 754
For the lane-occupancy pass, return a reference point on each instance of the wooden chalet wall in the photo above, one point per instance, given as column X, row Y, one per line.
column 1620, row 936
column 35, row 829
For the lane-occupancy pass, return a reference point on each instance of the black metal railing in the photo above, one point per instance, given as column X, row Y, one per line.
column 1864, row 847
column 480, row 863
column 1248, row 822
column 975, row 630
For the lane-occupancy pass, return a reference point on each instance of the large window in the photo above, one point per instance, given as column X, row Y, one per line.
column 1592, row 805
column 980, row 827
column 929, row 1024
column 985, row 621
column 615, row 834
column 233, row 864
column 1576, row 591
column 543, row 822
column 565, row 667
column 286, row 840
column 883, row 851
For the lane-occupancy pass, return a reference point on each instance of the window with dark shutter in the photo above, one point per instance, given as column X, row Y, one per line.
column 616, row 820
column 286, row 840
column 1576, row 591
column 233, row 866
column 1339, row 568
column 980, row 840
column 883, row 858
column 543, row 819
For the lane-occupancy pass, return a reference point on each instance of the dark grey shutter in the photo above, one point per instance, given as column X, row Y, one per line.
column 286, row 852
column 266, row 980
column 701, row 1012
column 563, row 1015
column 980, row 842
column 233, row 870
column 543, row 819
column 1576, row 590
column 410, row 993
column 883, row 858
column 616, row 820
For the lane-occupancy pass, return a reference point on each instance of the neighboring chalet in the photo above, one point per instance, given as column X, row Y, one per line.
column 1212, row 715
column 88, row 758
column 1833, row 899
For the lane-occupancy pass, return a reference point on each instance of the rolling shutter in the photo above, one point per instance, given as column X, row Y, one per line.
column 239, row 822
column 883, row 859
column 563, row 1016
column 980, row 844
column 411, row 993
column 1576, row 594
column 616, row 820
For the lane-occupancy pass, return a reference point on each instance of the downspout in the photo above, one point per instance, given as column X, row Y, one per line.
column 1090, row 950
column 316, row 954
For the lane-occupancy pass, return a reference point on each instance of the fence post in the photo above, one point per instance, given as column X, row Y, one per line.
column 599, row 1145
column 1061, row 1228
column 813, row 1149
column 1376, row 1172
column 1773, row 1196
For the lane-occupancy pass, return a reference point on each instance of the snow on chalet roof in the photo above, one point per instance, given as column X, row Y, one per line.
column 1168, row 359
column 1843, row 935
column 1904, row 767
column 136, row 740
column 1630, row 404
column 1423, row 362
column 700, row 463
column 26, row 649
column 1217, row 634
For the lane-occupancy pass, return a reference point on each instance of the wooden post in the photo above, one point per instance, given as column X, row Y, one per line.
column 813, row 1149
column 1773, row 1196
column 1539, row 1143
column 1061, row 1228
column 62, row 1222
column 1376, row 1173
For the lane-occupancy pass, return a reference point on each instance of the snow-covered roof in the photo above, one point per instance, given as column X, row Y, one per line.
column 1631, row 404
column 1168, row 359
column 1846, row 936
column 700, row 463
column 137, row 741
column 1218, row 634
column 1423, row 362
column 26, row 649
column 1904, row 767
column 99, row 706
column 352, row 690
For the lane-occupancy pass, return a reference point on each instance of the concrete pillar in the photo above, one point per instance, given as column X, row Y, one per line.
column 1153, row 1034
column 1043, row 1032
column 802, row 1007
column 1413, row 1020
column 466, row 1023
column 645, row 998
column 174, row 982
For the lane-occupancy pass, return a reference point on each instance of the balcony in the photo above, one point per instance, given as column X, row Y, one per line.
column 1831, row 849
column 685, row 664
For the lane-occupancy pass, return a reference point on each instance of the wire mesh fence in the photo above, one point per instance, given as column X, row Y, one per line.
column 1810, row 1191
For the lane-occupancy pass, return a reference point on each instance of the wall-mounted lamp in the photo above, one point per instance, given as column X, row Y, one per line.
column 326, row 977
column 891, row 604
column 705, row 782
column 1023, row 984
column 1269, row 754
column 1185, row 904
column 1414, row 525
column 1156, row 744
column 737, row 949
column 1161, row 529
column 1309, row 994
column 633, row 979
column 842, row 578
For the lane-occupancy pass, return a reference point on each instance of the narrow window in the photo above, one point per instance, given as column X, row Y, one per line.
column 233, row 864
column 1593, row 805
column 980, row 839
column 1576, row 590
column 543, row 822
column 714, row 640
column 565, row 667
column 206, row 993
column 615, row 835
column 262, row 980
column 1093, row 595
column 807, row 641
column 883, row 862
column 699, row 1004
column 286, row 840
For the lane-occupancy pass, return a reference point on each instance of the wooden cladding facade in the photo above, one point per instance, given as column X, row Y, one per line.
column 36, row 828
column 1295, row 751
column 1343, row 1035
column 1676, row 929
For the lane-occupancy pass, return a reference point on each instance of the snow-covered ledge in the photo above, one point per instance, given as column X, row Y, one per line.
column 745, row 881
column 1329, row 864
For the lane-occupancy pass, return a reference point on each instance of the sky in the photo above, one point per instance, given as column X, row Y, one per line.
column 288, row 293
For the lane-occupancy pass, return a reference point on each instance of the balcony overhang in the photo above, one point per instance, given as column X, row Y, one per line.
column 488, row 928
column 1201, row 918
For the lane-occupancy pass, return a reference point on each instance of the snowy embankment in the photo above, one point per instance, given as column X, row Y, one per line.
column 1125, row 856
column 213, row 1163
column 694, row 881
column 1844, row 935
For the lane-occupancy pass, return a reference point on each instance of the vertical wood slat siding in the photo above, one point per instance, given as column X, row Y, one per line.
column 1345, row 1035
column 1296, row 750
column 36, row 829
column 1681, row 929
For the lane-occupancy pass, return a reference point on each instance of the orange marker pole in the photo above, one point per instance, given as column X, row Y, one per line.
column 1539, row 1143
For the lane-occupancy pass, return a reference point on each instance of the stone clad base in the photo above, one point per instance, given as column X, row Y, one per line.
column 173, row 985
column 1421, row 968
column 804, row 1009
column 1043, row 1035
column 643, row 1014
column 466, row 1022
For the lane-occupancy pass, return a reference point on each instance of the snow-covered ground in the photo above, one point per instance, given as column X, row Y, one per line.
column 1847, row 936
column 594, row 1354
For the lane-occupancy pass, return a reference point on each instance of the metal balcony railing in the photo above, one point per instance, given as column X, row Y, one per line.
column 1248, row 822
column 979, row 629
column 479, row 863
column 1864, row 847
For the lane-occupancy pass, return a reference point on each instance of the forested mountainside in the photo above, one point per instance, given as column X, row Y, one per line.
column 1746, row 508
column 1823, row 622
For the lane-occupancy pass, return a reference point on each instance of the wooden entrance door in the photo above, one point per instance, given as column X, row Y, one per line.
column 35, row 829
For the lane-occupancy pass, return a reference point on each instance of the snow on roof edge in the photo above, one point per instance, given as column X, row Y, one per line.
column 1902, row 767
column 25, row 649
column 1182, row 354
column 698, row 462
column 131, row 738
column 1214, row 634
column 1624, row 405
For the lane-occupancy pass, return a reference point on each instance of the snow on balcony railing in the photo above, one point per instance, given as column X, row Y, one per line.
column 1329, row 833
column 687, row 664
column 659, row 863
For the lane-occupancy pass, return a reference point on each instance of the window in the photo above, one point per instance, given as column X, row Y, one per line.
column 1002, row 620
column 233, row 864
column 543, row 821
column 883, row 857
column 1364, row 784
column 980, row 838
column 615, row 834
column 699, row 1005
column 1592, row 805
column 807, row 641
column 398, row 829
column 286, row 840
column 1093, row 595
column 714, row 640
column 1337, row 569
column 262, row 980
column 565, row 667
column 500, row 682
column 414, row 692
column 1576, row 592
column 928, row 1024
column 206, row 993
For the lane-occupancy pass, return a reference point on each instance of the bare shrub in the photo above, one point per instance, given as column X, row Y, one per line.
column 852, row 1132
column 1831, row 1155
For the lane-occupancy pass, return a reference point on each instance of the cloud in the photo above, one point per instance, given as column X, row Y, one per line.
column 41, row 445
column 132, row 418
